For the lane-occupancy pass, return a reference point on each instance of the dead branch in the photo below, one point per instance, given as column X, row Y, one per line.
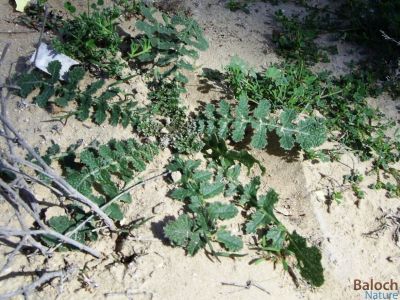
column 44, row 278
column 8, row 167
column 15, row 199
column 127, row 190
column 57, row 180
column 24, row 202
column 7, row 232
column 388, row 38
column 11, row 256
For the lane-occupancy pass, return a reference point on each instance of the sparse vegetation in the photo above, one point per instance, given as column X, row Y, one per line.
column 341, row 101
column 286, row 105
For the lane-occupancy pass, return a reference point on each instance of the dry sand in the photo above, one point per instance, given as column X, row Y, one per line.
column 162, row 272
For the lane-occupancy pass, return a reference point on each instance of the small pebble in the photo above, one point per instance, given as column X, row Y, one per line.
column 176, row 176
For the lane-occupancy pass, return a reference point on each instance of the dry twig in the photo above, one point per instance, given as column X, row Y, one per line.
column 44, row 278
column 18, row 194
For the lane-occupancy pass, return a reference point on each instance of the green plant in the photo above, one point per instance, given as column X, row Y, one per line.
column 182, row 133
column 337, row 197
column 367, row 19
column 235, row 5
column 115, row 106
column 166, row 102
column 97, row 166
column 355, row 179
column 168, row 43
column 198, row 226
column 296, row 39
column 274, row 239
column 92, row 37
column 63, row 224
column 89, row 102
column 288, row 85
column 392, row 188
column 144, row 46
column 33, row 17
column 100, row 166
column 216, row 149
column 187, row 139
column 341, row 101
column 371, row 24
column 227, row 121
column 128, row 7
column 49, row 85
column 101, row 173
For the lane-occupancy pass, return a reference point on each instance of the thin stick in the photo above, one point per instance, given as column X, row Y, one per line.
column 16, row 32
column 33, row 242
column 41, row 34
column 249, row 283
column 386, row 37
column 14, row 198
column 28, row 289
column 58, row 180
column 4, row 99
column 6, row 232
column 3, row 54
column 11, row 256
column 6, row 166
column 127, row 190
column 14, row 87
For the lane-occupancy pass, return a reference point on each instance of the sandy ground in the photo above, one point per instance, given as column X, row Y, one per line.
column 162, row 272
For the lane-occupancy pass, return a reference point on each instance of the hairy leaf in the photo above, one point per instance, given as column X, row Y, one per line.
column 181, row 194
column 195, row 243
column 241, row 120
column 312, row 134
column 61, row 224
column 229, row 241
column 202, row 175
column 264, row 214
column 224, row 120
column 308, row 133
column 218, row 210
column 209, row 190
column 114, row 212
column 258, row 219
column 249, row 192
column 179, row 231
column 277, row 235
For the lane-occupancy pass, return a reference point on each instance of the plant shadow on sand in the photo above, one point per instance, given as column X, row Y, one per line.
column 158, row 229
column 212, row 79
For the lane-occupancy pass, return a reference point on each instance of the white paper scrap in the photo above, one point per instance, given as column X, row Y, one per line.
column 21, row 4
column 46, row 55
